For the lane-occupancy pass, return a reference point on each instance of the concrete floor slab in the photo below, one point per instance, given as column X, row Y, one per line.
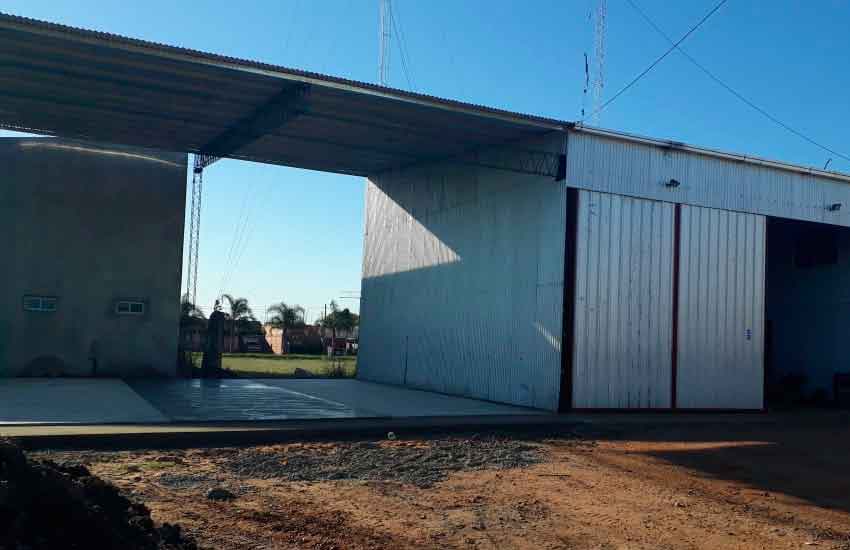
column 286, row 399
column 238, row 399
column 395, row 401
column 35, row 401
column 72, row 401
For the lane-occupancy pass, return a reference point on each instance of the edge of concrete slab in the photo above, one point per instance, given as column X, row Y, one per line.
column 232, row 433
column 206, row 434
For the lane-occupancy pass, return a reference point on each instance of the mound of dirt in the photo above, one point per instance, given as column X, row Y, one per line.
column 416, row 463
column 45, row 505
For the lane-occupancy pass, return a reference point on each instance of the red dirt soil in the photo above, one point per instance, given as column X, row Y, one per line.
column 743, row 485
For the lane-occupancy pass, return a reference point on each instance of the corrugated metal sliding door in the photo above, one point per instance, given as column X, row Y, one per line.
column 721, row 310
column 622, row 355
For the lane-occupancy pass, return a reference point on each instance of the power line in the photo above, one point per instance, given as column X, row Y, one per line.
column 246, row 235
column 238, row 229
column 230, row 260
column 332, row 44
column 384, row 31
column 732, row 90
column 661, row 58
column 291, row 28
column 402, row 49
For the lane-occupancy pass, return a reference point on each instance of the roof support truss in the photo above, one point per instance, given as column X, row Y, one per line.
column 522, row 161
column 508, row 157
column 276, row 112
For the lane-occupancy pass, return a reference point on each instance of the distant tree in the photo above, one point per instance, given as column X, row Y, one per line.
column 239, row 313
column 339, row 319
column 286, row 317
column 345, row 320
column 330, row 320
column 188, row 310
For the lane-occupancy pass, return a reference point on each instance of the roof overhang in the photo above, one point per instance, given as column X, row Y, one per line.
column 68, row 82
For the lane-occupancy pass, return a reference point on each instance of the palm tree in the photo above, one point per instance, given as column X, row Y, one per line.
column 188, row 310
column 330, row 320
column 285, row 317
column 239, row 311
column 345, row 320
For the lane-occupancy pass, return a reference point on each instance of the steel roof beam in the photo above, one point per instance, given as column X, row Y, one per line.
column 522, row 161
column 508, row 157
column 279, row 110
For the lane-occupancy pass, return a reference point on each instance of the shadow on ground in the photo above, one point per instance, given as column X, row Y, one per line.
column 804, row 455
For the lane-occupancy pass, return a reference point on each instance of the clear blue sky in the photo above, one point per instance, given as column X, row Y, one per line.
column 304, row 236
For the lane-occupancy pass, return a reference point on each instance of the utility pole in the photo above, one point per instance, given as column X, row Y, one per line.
column 323, row 328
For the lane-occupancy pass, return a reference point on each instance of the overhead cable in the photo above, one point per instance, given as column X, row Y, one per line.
column 735, row 92
column 661, row 58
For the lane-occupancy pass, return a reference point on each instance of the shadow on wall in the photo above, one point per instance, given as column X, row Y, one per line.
column 45, row 365
column 51, row 366
column 463, row 283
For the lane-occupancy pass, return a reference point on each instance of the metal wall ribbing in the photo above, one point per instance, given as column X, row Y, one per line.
column 633, row 168
column 463, row 282
column 721, row 310
column 624, row 273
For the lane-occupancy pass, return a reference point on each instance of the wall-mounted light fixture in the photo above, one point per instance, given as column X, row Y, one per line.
column 834, row 207
column 673, row 183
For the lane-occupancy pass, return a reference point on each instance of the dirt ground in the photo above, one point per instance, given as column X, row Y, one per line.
column 744, row 484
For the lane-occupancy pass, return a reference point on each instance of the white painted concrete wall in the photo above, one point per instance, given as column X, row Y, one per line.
column 89, row 224
column 463, row 282
column 623, row 310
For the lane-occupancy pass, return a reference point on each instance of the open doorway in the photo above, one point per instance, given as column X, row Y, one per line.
column 280, row 257
column 807, row 312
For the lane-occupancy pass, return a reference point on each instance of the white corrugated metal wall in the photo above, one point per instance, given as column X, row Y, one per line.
column 721, row 310
column 462, row 286
column 623, row 311
column 463, row 276
column 601, row 163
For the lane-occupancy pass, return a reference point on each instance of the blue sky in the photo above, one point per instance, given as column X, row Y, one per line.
column 303, row 238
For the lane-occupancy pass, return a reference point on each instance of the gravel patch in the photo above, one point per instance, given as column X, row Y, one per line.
column 186, row 481
column 421, row 463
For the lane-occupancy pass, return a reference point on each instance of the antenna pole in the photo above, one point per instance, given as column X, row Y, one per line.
column 385, row 32
column 599, row 59
column 194, row 229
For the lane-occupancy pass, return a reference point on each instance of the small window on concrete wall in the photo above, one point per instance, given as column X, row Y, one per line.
column 42, row 304
column 129, row 307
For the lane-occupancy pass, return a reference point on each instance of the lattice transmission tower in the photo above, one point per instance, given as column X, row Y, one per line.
column 385, row 35
column 598, row 83
column 197, row 191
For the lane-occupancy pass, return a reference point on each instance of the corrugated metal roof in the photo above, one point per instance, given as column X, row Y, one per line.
column 78, row 83
column 72, row 82
column 119, row 40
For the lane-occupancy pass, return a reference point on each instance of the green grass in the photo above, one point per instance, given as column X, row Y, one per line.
column 260, row 365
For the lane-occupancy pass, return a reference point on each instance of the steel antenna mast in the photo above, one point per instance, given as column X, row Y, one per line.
column 200, row 162
column 385, row 33
column 599, row 59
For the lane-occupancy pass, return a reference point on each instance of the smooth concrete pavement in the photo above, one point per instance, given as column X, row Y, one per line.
column 146, row 401
column 72, row 401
